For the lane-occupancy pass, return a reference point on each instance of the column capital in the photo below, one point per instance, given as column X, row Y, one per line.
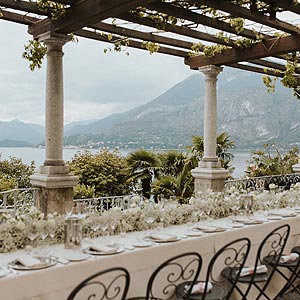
column 54, row 40
column 211, row 71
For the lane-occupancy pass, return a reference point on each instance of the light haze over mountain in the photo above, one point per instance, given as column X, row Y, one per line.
column 249, row 114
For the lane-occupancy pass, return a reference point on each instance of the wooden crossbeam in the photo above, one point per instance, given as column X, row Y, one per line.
column 198, row 19
column 17, row 18
column 268, row 64
column 23, row 6
column 272, row 47
column 256, row 70
column 142, row 35
column 286, row 4
column 84, row 13
column 181, row 30
column 258, row 17
column 131, row 43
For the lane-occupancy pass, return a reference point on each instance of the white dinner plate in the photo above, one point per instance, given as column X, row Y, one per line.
column 94, row 252
column 3, row 272
column 193, row 233
column 77, row 256
column 47, row 262
column 142, row 244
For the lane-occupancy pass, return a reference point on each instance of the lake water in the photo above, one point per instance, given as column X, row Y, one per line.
column 38, row 155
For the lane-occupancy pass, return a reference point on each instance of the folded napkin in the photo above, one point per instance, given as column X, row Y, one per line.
column 250, row 270
column 288, row 258
column 209, row 228
column 29, row 261
column 283, row 213
column 248, row 221
column 163, row 237
column 103, row 249
column 199, row 287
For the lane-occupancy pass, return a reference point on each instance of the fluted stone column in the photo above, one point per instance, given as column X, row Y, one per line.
column 55, row 182
column 209, row 174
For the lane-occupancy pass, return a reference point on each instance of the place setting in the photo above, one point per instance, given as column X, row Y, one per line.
column 282, row 213
column 28, row 262
column 104, row 249
column 161, row 238
column 209, row 229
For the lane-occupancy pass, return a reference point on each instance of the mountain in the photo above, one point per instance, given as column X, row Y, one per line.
column 250, row 115
column 14, row 132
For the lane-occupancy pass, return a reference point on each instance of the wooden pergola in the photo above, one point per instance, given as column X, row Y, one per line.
column 176, row 26
column 253, row 35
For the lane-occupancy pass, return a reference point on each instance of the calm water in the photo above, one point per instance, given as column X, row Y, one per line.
column 38, row 155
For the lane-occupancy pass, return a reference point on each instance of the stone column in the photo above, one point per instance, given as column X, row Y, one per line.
column 209, row 174
column 55, row 182
column 296, row 167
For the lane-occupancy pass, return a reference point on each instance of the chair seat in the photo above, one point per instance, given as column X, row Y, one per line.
column 217, row 292
column 256, row 278
column 292, row 264
column 231, row 276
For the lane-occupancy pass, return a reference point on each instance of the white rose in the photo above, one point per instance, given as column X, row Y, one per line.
column 20, row 226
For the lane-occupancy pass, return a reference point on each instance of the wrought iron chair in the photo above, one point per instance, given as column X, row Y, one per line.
column 163, row 281
column 292, row 277
column 231, row 258
column 110, row 284
column 269, row 252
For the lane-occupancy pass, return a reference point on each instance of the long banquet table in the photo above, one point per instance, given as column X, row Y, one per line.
column 55, row 283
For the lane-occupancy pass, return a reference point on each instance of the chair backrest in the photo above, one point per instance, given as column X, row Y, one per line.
column 181, row 268
column 230, row 258
column 110, row 284
column 270, row 249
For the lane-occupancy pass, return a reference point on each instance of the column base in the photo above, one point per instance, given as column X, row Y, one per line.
column 209, row 178
column 55, row 191
column 296, row 168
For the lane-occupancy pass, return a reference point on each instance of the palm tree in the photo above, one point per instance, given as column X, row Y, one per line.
column 175, row 178
column 172, row 162
column 143, row 166
column 223, row 144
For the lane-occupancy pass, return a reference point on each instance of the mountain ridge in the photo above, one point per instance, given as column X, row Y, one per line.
column 246, row 111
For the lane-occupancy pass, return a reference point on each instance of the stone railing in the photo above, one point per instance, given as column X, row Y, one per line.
column 17, row 199
column 282, row 182
column 105, row 203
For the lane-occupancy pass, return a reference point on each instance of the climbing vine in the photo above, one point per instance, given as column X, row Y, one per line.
column 35, row 51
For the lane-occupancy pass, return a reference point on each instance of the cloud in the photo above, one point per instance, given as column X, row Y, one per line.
column 95, row 84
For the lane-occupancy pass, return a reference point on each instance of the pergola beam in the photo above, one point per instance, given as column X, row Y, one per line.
column 199, row 19
column 273, row 47
column 236, row 10
column 142, row 35
column 23, row 6
column 130, row 43
column 286, row 4
column 181, row 30
column 84, row 13
column 256, row 70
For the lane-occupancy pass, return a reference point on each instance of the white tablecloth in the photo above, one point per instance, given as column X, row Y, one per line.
column 55, row 283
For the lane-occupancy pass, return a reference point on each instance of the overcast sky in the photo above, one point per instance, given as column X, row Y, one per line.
column 96, row 84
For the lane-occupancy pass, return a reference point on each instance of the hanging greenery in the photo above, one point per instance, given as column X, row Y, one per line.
column 34, row 52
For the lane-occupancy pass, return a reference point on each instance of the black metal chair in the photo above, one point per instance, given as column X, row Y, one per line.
column 231, row 259
column 292, row 277
column 110, row 284
column 163, row 281
column 269, row 252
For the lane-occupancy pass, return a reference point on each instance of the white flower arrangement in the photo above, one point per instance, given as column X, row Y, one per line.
column 21, row 230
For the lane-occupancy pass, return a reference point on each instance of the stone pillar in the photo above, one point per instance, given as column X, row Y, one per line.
column 296, row 167
column 55, row 182
column 209, row 174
